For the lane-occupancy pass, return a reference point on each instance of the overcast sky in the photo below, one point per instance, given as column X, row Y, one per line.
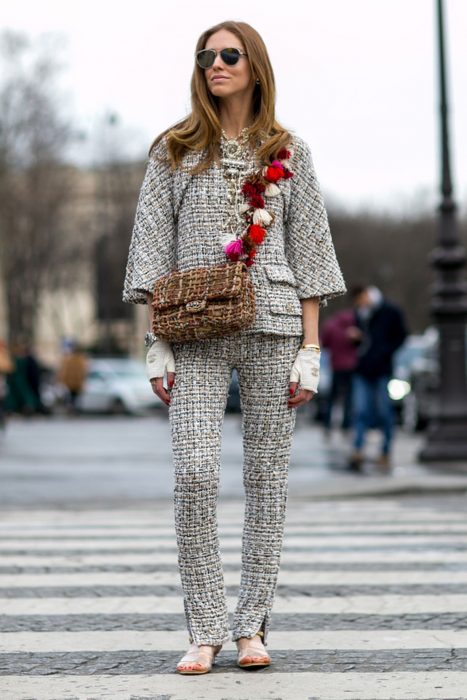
column 355, row 78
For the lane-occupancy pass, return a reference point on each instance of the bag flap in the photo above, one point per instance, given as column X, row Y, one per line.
column 223, row 281
column 280, row 273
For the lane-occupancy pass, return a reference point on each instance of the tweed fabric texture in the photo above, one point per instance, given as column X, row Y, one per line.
column 199, row 396
column 180, row 224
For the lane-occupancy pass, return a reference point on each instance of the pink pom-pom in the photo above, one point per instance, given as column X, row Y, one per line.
column 234, row 250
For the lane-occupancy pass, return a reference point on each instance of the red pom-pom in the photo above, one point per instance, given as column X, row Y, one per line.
column 256, row 201
column 284, row 154
column 288, row 174
column 273, row 173
column 257, row 234
column 248, row 189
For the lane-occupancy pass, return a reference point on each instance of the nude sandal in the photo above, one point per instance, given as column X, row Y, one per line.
column 198, row 659
column 253, row 654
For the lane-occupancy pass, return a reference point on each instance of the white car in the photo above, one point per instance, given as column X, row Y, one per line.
column 117, row 385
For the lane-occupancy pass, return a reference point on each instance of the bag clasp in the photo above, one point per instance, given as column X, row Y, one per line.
column 196, row 305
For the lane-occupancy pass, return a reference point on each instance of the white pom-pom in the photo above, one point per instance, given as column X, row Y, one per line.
column 243, row 208
column 261, row 217
column 272, row 190
column 286, row 163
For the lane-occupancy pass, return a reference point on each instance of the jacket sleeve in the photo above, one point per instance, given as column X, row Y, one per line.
column 309, row 247
column 152, row 252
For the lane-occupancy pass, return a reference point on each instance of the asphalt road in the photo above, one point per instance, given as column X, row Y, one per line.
column 371, row 602
column 112, row 460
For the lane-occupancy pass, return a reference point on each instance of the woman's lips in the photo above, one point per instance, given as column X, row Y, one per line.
column 218, row 78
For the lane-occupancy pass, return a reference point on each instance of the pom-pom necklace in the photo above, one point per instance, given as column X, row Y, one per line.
column 255, row 189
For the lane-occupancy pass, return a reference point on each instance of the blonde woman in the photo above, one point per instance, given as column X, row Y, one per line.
column 229, row 182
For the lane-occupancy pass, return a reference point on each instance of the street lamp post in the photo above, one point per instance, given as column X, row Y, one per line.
column 447, row 432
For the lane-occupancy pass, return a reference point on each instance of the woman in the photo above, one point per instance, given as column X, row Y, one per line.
column 191, row 213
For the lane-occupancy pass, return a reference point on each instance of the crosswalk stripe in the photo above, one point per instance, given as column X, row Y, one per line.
column 34, row 532
column 50, row 642
column 281, row 622
column 306, row 542
column 289, row 557
column 326, row 513
column 231, row 578
column 366, row 605
column 431, row 685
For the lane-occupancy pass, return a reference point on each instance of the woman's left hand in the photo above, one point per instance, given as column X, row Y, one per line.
column 305, row 372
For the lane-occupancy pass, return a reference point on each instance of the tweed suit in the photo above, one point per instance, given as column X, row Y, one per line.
column 182, row 221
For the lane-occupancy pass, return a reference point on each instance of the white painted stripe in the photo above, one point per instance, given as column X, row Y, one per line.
column 433, row 685
column 153, row 558
column 131, row 640
column 232, row 578
column 25, row 531
column 365, row 605
column 38, row 539
column 328, row 512
column 114, row 542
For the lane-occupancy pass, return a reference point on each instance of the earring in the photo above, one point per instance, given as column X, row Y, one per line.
column 257, row 81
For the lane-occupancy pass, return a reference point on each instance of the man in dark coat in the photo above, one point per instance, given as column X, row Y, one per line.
column 380, row 330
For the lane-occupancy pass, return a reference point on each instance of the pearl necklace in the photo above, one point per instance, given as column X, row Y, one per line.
column 235, row 159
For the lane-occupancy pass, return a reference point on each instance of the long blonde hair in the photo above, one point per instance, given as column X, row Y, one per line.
column 201, row 129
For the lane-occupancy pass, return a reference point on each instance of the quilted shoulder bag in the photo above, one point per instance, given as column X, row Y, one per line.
column 203, row 302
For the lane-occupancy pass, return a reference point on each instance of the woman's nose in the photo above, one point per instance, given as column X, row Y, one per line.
column 218, row 62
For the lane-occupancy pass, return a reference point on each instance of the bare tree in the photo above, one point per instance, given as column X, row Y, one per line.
column 35, row 182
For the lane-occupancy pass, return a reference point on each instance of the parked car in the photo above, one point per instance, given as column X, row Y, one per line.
column 423, row 381
column 117, row 385
column 408, row 357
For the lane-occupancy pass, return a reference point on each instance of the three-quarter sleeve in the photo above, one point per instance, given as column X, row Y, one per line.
column 152, row 251
column 309, row 247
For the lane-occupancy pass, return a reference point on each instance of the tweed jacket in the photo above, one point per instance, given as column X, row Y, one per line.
column 178, row 225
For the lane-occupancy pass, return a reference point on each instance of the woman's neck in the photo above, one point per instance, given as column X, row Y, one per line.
column 235, row 115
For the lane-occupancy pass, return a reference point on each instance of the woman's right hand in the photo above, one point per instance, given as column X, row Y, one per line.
column 159, row 362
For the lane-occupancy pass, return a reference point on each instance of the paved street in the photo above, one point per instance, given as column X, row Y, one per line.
column 372, row 596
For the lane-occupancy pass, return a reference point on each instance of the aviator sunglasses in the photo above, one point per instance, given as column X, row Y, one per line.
column 206, row 57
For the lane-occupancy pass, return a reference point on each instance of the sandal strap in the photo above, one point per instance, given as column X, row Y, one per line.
column 203, row 654
column 255, row 647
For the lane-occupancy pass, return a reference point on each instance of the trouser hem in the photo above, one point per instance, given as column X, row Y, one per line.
column 211, row 641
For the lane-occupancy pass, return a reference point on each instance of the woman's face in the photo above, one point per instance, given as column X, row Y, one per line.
column 223, row 80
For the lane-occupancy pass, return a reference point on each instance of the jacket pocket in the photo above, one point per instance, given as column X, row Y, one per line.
column 280, row 273
column 282, row 295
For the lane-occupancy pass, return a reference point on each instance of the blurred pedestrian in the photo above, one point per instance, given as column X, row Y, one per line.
column 215, row 182
column 72, row 374
column 380, row 330
column 34, row 370
column 21, row 397
column 337, row 339
column 6, row 368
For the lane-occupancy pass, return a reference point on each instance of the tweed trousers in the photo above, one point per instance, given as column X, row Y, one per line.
column 203, row 372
